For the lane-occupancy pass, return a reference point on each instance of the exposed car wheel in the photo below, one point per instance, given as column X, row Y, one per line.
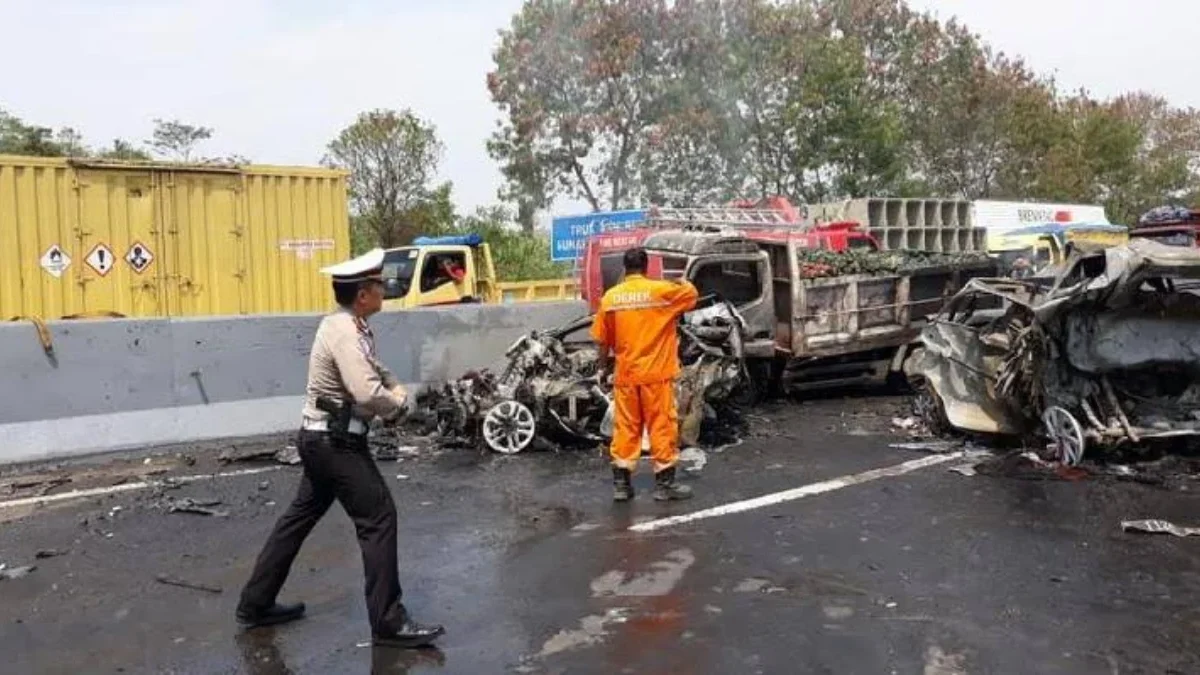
column 508, row 427
column 1066, row 435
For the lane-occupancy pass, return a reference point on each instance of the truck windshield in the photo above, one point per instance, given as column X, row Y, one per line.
column 399, row 267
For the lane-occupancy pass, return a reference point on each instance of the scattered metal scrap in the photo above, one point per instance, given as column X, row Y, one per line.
column 550, row 393
column 1100, row 350
column 12, row 573
column 174, row 581
column 196, row 506
column 44, row 483
column 1159, row 527
column 288, row 455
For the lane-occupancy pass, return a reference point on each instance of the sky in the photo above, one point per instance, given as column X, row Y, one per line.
column 277, row 79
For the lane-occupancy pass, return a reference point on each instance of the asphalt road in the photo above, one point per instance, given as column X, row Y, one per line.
column 533, row 570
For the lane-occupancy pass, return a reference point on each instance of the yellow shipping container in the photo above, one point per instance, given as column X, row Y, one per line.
column 82, row 237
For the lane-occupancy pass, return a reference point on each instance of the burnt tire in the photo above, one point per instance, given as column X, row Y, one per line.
column 763, row 382
column 930, row 409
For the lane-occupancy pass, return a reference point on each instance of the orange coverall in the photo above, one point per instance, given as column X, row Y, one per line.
column 637, row 320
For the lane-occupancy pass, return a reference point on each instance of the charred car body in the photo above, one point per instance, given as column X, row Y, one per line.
column 550, row 390
column 1102, row 351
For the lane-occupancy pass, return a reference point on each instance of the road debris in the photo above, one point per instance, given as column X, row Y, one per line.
column 1089, row 355
column 175, row 581
column 199, row 507
column 1159, row 527
column 288, row 455
column 14, row 573
column 693, row 460
column 43, row 482
column 936, row 447
column 550, row 395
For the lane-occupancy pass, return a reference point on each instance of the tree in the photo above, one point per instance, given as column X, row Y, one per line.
column 392, row 158
column 619, row 103
column 123, row 150
column 576, row 82
column 19, row 138
column 175, row 140
column 518, row 255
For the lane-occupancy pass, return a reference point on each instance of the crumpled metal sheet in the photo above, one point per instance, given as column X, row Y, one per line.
column 1088, row 342
column 1159, row 527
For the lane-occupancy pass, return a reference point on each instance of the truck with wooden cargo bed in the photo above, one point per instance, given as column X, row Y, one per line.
column 816, row 316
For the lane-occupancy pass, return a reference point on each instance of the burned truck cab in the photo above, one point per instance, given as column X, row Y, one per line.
column 723, row 262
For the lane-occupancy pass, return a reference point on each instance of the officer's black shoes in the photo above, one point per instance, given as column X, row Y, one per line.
column 666, row 489
column 622, row 485
column 270, row 616
column 409, row 636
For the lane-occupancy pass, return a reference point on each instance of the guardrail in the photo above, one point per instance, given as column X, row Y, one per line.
column 125, row 383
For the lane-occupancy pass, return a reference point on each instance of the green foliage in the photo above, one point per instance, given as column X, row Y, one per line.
column 175, row 140
column 19, row 138
column 123, row 150
column 682, row 103
column 392, row 157
column 826, row 263
column 518, row 255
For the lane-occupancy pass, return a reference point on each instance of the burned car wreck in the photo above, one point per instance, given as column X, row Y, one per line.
column 1099, row 351
column 550, row 392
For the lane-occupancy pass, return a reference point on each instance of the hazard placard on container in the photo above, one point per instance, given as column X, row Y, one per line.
column 100, row 259
column 139, row 257
column 55, row 261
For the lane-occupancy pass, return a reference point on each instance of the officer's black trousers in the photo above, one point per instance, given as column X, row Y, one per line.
column 346, row 472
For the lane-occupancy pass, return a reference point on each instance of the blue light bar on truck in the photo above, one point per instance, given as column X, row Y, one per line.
column 450, row 240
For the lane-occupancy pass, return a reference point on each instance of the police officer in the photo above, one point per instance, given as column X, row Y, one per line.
column 347, row 386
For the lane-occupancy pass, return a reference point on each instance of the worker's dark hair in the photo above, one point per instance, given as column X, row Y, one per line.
column 344, row 292
column 636, row 260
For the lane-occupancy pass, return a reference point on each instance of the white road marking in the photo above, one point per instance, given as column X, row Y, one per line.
column 799, row 493
column 128, row 487
column 660, row 580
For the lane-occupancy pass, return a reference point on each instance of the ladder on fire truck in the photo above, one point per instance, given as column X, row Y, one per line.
column 720, row 216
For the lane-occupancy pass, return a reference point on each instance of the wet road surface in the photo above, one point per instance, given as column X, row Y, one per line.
column 533, row 570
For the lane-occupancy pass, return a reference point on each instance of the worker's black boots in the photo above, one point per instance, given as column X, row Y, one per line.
column 622, row 484
column 666, row 489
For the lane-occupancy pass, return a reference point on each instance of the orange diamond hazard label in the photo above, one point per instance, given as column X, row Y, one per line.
column 100, row 259
column 139, row 257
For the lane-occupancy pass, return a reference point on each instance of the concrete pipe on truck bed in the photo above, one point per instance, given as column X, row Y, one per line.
column 154, row 239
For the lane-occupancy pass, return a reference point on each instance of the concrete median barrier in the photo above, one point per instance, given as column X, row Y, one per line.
column 115, row 384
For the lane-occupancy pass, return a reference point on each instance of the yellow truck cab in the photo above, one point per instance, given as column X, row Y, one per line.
column 439, row 271
column 1027, row 250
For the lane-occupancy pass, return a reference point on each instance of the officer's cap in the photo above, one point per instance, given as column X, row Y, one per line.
column 368, row 266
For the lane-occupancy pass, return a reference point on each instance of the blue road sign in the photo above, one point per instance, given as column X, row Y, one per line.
column 569, row 234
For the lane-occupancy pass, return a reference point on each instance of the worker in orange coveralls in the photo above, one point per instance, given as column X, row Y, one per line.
column 637, row 324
